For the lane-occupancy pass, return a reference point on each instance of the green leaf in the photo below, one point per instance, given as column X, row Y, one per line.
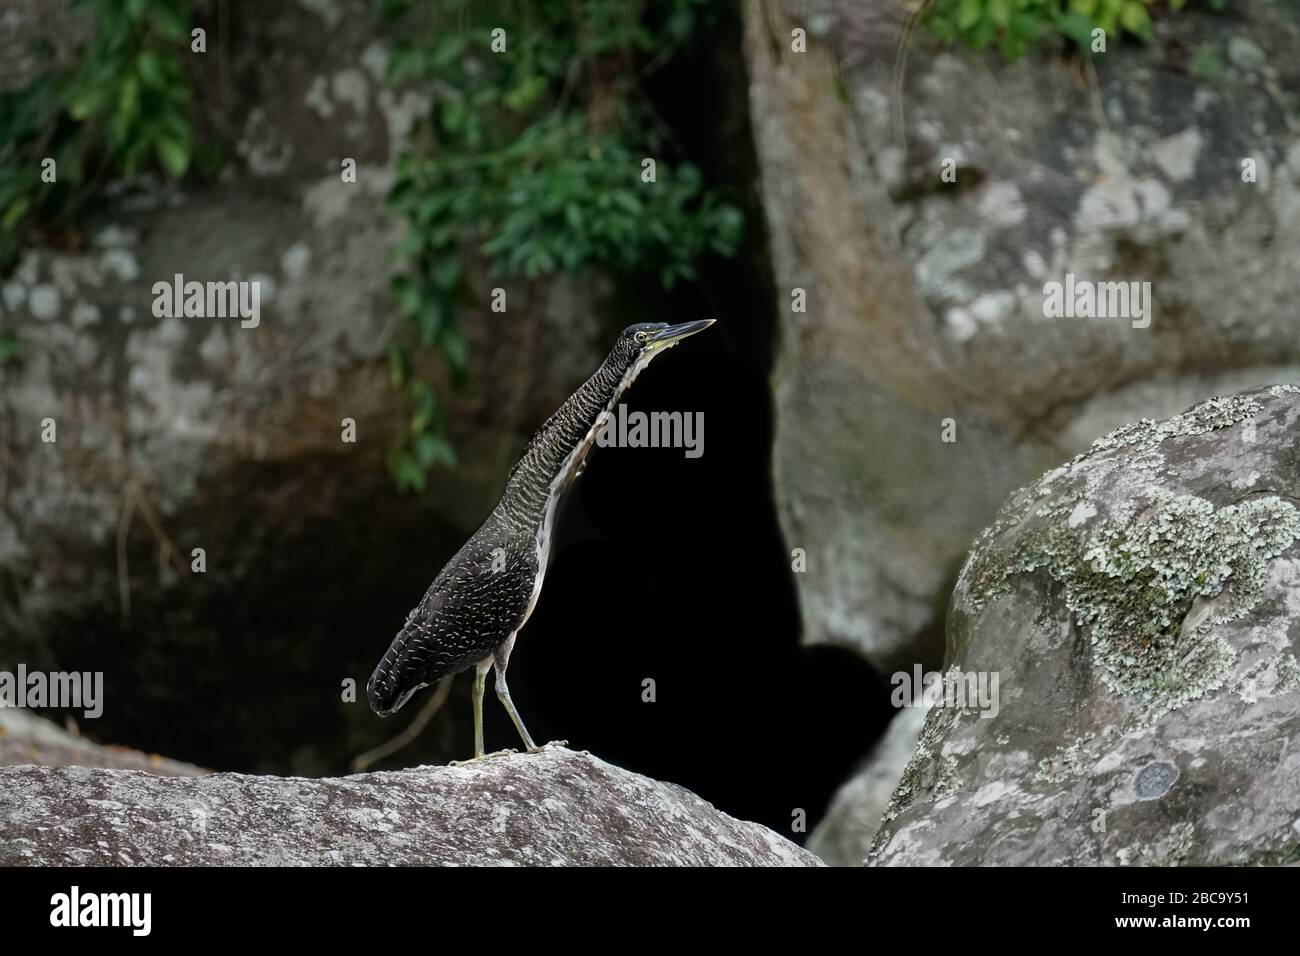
column 982, row 34
column 432, row 207
column 425, row 403
column 14, row 214
column 969, row 13
column 627, row 202
column 399, row 364
column 174, row 154
column 406, row 471
column 1134, row 18
column 1076, row 27
column 455, row 349
column 149, row 66
column 429, row 321
column 411, row 245
column 1206, row 63
column 455, row 116
column 84, row 102
column 449, row 49
column 526, row 93
column 446, row 272
column 208, row 159
column 433, row 449
column 11, row 347
column 406, row 293
column 169, row 22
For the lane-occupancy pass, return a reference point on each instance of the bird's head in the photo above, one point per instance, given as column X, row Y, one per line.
column 638, row 344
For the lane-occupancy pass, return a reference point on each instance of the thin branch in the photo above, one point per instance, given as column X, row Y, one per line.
column 390, row 747
column 123, row 569
column 133, row 497
column 165, row 543
column 900, row 76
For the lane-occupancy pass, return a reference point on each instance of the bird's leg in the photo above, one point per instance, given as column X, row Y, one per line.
column 503, row 692
column 480, row 683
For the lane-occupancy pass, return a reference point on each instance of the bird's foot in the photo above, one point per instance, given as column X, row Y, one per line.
column 472, row 760
column 550, row 743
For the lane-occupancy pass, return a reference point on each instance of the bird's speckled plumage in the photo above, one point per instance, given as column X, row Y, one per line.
column 487, row 591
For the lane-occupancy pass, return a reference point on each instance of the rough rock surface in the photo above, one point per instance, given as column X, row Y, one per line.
column 925, row 298
column 554, row 807
column 1141, row 605
column 28, row 739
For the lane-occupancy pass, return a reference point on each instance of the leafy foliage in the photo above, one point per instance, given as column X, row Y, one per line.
column 531, row 159
column 11, row 347
column 123, row 102
column 1015, row 25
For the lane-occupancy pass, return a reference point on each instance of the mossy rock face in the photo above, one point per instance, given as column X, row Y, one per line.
column 1140, row 607
column 925, row 298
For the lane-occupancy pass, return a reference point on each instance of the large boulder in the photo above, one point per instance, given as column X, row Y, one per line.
column 925, row 298
column 1141, row 606
column 556, row 807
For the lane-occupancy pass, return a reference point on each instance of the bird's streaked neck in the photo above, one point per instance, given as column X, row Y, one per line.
column 562, row 444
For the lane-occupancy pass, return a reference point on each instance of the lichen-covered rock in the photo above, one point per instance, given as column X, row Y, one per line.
column 1141, row 606
column 925, row 297
column 28, row 739
column 556, row 807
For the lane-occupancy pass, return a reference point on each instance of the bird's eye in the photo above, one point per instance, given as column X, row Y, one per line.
column 641, row 337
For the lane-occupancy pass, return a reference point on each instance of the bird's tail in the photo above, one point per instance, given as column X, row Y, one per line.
column 396, row 677
column 376, row 689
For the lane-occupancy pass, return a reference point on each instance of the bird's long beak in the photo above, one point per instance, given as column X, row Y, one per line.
column 667, row 338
